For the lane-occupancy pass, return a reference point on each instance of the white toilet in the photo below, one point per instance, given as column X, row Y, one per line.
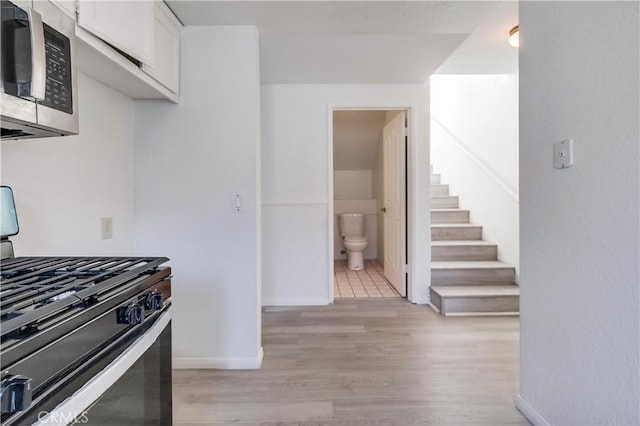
column 351, row 227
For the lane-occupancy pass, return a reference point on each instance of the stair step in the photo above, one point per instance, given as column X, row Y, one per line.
column 444, row 202
column 463, row 273
column 449, row 216
column 476, row 300
column 455, row 231
column 439, row 189
column 463, row 250
column 435, row 179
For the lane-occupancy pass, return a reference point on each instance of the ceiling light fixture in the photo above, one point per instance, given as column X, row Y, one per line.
column 514, row 36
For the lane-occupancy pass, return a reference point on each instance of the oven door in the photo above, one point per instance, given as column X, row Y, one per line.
column 133, row 388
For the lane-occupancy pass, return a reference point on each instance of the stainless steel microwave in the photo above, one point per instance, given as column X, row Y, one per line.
column 38, row 92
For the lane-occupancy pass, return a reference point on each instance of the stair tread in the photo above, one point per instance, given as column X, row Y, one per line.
column 477, row 290
column 463, row 243
column 470, row 264
column 455, row 225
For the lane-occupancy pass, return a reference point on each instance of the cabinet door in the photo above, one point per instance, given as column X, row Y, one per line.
column 166, row 65
column 126, row 25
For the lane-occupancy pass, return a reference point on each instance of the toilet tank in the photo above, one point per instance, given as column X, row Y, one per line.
column 351, row 224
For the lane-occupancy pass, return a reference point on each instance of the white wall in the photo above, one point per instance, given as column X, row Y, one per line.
column 474, row 134
column 190, row 160
column 579, row 305
column 63, row 186
column 352, row 184
column 297, row 194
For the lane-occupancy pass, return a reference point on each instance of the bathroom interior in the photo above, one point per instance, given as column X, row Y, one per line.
column 358, row 180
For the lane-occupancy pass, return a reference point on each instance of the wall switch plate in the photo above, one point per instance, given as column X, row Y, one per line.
column 563, row 154
column 107, row 228
column 237, row 203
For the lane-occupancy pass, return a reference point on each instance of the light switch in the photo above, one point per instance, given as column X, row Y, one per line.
column 237, row 203
column 563, row 154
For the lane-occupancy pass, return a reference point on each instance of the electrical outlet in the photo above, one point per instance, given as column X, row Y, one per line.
column 107, row 228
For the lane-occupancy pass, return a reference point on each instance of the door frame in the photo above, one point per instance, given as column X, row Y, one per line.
column 410, row 181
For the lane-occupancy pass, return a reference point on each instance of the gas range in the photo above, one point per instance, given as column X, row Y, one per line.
column 63, row 320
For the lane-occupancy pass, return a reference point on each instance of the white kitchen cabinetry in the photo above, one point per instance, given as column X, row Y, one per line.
column 126, row 25
column 146, row 31
column 166, row 61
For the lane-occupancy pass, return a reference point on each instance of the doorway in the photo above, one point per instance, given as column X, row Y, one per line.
column 369, row 203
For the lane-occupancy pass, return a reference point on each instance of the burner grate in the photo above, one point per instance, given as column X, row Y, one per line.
column 32, row 288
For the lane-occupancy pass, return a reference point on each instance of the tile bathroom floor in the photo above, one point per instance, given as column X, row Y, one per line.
column 365, row 284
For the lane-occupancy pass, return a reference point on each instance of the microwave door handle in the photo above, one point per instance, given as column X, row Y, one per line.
column 38, row 57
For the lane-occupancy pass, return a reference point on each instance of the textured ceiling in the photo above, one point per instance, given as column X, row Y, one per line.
column 338, row 17
column 487, row 51
column 346, row 41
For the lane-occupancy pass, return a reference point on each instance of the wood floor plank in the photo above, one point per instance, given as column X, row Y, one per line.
column 384, row 362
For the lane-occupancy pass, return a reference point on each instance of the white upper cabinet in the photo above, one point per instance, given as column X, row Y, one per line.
column 126, row 25
column 166, row 65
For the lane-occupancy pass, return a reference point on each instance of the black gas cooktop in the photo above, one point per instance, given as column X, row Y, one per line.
column 58, row 315
column 33, row 288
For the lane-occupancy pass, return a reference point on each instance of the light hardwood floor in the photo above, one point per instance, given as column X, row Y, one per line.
column 364, row 362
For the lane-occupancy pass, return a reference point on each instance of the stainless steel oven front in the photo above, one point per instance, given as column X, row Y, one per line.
column 38, row 88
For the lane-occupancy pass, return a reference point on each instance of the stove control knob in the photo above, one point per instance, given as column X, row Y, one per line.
column 15, row 394
column 153, row 301
column 130, row 314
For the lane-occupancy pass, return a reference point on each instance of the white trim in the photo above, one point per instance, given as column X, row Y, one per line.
column 295, row 203
column 248, row 363
column 482, row 314
column 296, row 302
column 78, row 403
column 330, row 209
column 529, row 412
column 486, row 169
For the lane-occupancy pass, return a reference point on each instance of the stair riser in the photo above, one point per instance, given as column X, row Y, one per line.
column 437, row 190
column 435, row 179
column 444, row 203
column 462, row 305
column 453, row 233
column 439, row 253
column 461, row 216
column 436, row 300
column 487, row 276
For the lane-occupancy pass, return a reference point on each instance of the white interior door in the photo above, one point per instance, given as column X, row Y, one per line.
column 394, row 159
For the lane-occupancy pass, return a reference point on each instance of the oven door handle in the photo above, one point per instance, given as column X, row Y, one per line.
column 38, row 55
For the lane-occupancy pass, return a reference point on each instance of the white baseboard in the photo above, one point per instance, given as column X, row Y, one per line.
column 249, row 363
column 530, row 413
column 421, row 299
column 295, row 302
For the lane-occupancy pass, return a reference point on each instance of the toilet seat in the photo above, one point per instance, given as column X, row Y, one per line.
column 355, row 239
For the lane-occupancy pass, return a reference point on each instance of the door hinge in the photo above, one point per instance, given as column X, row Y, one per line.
column 405, row 269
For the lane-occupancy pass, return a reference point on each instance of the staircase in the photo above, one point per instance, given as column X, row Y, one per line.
column 466, row 276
